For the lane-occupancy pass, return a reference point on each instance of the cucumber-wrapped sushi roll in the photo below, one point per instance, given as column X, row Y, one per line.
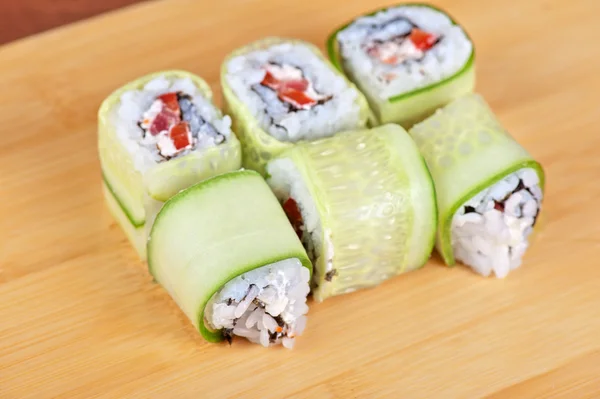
column 281, row 91
column 489, row 189
column 156, row 136
column 408, row 60
column 235, row 268
column 363, row 204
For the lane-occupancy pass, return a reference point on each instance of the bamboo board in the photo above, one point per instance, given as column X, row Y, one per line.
column 80, row 317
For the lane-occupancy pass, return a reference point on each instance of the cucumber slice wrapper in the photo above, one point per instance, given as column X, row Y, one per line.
column 245, row 180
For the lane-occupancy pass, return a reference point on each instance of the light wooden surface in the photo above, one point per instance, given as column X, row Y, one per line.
column 80, row 318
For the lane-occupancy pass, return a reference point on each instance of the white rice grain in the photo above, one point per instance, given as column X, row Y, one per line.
column 245, row 303
column 441, row 61
column 341, row 112
column 288, row 343
column 269, row 322
column 495, row 240
column 134, row 103
column 286, row 182
column 251, row 304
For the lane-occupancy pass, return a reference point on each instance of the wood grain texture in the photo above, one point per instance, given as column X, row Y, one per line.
column 20, row 18
column 80, row 317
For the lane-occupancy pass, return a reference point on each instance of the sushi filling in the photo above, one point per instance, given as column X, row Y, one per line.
column 292, row 211
column 409, row 45
column 490, row 231
column 401, row 49
column 167, row 118
column 266, row 305
column 301, row 210
column 174, row 124
column 291, row 86
column 292, row 93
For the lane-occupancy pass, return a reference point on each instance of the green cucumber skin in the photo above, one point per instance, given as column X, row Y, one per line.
column 135, row 222
column 168, row 178
column 337, row 172
column 135, row 234
column 270, row 241
column 445, row 222
column 217, row 336
column 137, row 194
column 116, row 160
column 468, row 164
column 406, row 109
column 258, row 146
column 423, row 195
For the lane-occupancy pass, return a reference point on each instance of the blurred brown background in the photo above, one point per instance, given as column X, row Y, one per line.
column 20, row 18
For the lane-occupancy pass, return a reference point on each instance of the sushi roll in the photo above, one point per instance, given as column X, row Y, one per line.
column 156, row 136
column 489, row 189
column 408, row 59
column 247, row 275
column 362, row 203
column 279, row 92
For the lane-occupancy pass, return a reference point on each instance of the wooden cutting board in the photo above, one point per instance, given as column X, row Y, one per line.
column 80, row 317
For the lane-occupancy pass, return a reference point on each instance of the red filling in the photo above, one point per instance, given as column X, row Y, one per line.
column 499, row 206
column 296, row 97
column 180, row 135
column 392, row 52
column 291, row 91
column 295, row 217
column 169, row 115
column 421, row 39
column 163, row 121
column 169, row 120
column 270, row 81
column 170, row 102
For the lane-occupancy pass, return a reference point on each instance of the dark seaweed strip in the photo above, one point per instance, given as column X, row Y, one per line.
column 320, row 102
column 228, row 334
column 164, row 157
column 377, row 27
column 530, row 192
column 399, row 38
column 280, row 321
column 144, row 132
column 519, row 187
column 499, row 205
column 535, row 217
column 269, row 115
column 323, row 100
column 330, row 275
column 274, row 336
column 258, row 303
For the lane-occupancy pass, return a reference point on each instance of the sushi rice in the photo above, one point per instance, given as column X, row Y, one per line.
column 490, row 231
column 134, row 105
column 266, row 305
column 361, row 202
column 247, row 276
column 337, row 107
column 412, row 68
column 158, row 135
column 408, row 60
column 489, row 188
column 287, row 182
